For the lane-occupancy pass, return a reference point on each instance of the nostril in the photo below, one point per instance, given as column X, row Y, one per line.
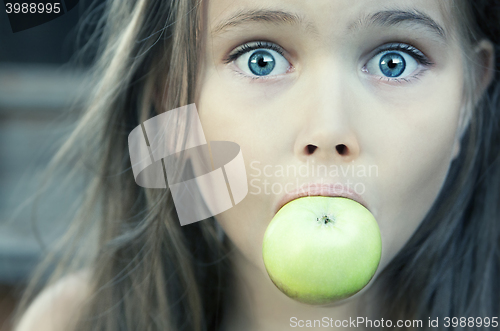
column 310, row 149
column 341, row 149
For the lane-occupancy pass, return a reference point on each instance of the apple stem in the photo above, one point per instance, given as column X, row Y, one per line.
column 324, row 219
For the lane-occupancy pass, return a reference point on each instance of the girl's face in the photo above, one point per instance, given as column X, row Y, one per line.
column 363, row 93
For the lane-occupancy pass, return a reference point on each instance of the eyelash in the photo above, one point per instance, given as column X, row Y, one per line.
column 250, row 47
column 408, row 49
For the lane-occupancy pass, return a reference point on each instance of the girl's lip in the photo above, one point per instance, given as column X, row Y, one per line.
column 320, row 189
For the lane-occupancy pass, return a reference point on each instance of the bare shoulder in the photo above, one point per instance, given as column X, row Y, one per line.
column 58, row 305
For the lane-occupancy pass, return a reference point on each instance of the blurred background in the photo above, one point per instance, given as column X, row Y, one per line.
column 39, row 83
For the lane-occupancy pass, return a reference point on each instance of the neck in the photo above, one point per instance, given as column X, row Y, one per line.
column 255, row 303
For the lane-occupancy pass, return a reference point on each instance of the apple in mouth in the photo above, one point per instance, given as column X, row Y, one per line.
column 318, row 249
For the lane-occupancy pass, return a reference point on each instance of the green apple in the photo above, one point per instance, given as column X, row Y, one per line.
column 318, row 250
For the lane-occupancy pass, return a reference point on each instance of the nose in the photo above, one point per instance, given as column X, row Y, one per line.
column 327, row 130
column 341, row 149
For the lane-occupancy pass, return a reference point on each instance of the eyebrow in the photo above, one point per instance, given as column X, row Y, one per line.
column 397, row 17
column 262, row 16
column 381, row 18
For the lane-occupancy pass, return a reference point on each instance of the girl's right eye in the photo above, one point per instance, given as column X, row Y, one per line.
column 259, row 60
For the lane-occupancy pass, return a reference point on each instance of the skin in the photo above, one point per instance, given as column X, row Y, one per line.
column 408, row 129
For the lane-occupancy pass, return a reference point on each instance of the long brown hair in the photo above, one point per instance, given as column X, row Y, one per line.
column 146, row 272
column 149, row 273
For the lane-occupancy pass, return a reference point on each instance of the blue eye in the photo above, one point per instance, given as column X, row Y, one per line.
column 261, row 62
column 392, row 64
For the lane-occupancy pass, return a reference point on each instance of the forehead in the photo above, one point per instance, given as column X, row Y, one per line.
column 326, row 16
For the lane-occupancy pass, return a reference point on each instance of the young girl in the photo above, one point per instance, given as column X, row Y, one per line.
column 408, row 88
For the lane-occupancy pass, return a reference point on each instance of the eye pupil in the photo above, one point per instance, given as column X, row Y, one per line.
column 392, row 64
column 261, row 63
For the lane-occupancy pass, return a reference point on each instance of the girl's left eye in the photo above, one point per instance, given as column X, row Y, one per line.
column 260, row 60
column 392, row 64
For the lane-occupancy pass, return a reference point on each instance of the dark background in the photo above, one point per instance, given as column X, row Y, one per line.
column 50, row 43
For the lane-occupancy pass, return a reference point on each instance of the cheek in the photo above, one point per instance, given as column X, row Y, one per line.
column 414, row 164
column 229, row 117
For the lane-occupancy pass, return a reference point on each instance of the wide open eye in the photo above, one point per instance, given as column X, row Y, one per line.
column 392, row 64
column 262, row 62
